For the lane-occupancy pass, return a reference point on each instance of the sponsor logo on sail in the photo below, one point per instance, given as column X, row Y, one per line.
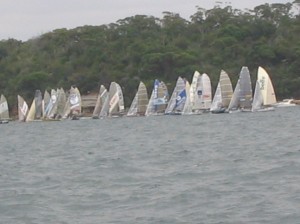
column 53, row 99
column 262, row 83
column 24, row 109
column 74, row 99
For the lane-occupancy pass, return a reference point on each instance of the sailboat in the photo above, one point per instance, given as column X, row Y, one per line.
column 31, row 113
column 258, row 100
column 264, row 95
column 45, row 102
column 187, row 109
column 22, row 108
column 266, row 87
column 222, row 95
column 158, row 100
column 200, row 93
column 178, row 98
column 61, row 103
column 140, row 102
column 4, row 112
column 105, row 108
column 38, row 104
column 193, row 90
column 36, row 109
column 102, row 96
column 242, row 96
column 51, row 108
column 116, row 100
column 73, row 105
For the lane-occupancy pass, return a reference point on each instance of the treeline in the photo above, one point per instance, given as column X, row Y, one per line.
column 144, row 48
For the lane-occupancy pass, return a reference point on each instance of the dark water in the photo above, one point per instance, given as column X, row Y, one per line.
column 230, row 168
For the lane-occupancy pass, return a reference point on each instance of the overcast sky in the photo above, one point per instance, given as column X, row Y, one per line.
column 25, row 19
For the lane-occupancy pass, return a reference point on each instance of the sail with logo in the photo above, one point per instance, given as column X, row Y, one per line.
column 178, row 98
column 73, row 104
column 22, row 108
column 266, row 87
column 51, row 107
column 200, row 93
column 264, row 95
column 158, row 100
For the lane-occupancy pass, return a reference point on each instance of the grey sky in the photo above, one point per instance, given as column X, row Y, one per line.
column 24, row 19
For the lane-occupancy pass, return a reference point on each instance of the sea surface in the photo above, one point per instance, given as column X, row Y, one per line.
column 210, row 169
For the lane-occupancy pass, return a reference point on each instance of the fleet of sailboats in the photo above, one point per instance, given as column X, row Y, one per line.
column 186, row 99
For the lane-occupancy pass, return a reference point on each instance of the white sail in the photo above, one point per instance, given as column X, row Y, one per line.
column 73, row 105
column 105, row 108
column 22, row 108
column 31, row 113
column 133, row 109
column 206, row 92
column 242, row 95
column 223, row 94
column 202, row 94
column 158, row 100
column 140, row 102
column 46, row 101
column 257, row 98
column 193, row 88
column 4, row 112
column 234, row 103
column 52, row 105
column 178, row 98
column 100, row 101
column 75, row 102
column 217, row 103
column 245, row 89
column 61, row 103
column 187, row 110
column 266, row 87
column 226, row 88
column 116, row 100
column 121, row 99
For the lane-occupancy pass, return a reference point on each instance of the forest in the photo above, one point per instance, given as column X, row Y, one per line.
column 142, row 48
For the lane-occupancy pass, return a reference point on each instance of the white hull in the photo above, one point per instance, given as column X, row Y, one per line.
column 285, row 103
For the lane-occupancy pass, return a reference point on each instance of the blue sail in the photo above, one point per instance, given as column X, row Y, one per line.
column 180, row 100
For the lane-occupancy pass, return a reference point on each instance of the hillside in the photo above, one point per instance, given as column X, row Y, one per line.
column 144, row 48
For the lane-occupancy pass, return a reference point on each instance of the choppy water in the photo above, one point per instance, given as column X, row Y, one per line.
column 227, row 168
